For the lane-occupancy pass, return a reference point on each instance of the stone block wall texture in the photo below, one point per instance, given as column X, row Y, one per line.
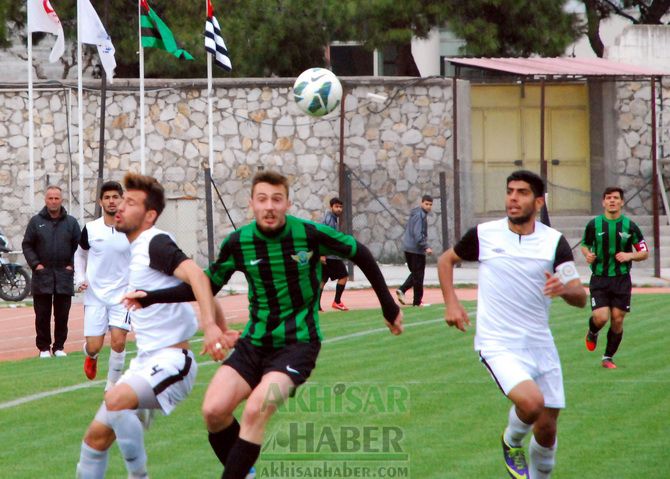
column 633, row 162
column 397, row 149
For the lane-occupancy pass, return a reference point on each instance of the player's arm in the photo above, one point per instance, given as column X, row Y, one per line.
column 640, row 248
column 454, row 314
column 566, row 282
column 219, row 272
column 466, row 249
column 588, row 240
column 81, row 261
column 391, row 311
column 212, row 321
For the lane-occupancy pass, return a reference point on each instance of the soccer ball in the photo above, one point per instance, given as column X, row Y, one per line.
column 317, row 91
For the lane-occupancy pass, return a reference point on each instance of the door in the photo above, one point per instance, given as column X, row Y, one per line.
column 506, row 137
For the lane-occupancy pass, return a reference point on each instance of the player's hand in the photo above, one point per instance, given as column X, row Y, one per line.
column 456, row 315
column 553, row 286
column 396, row 326
column 323, row 259
column 217, row 342
column 130, row 301
column 622, row 257
column 590, row 257
column 82, row 286
column 429, row 251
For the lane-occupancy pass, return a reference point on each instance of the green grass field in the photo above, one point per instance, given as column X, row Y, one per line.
column 419, row 405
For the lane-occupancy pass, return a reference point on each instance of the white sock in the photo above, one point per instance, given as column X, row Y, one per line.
column 516, row 429
column 116, row 362
column 92, row 356
column 92, row 463
column 541, row 459
column 130, row 438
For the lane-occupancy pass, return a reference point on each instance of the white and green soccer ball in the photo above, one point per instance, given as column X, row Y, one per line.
column 317, row 91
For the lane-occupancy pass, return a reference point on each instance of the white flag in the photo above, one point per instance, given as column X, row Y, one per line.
column 43, row 18
column 93, row 32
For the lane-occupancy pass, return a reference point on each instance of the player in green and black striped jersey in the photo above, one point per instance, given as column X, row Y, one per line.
column 280, row 257
column 610, row 244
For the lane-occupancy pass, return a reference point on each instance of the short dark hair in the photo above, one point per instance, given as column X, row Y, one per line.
column 335, row 201
column 111, row 186
column 155, row 199
column 426, row 198
column 271, row 177
column 533, row 179
column 612, row 189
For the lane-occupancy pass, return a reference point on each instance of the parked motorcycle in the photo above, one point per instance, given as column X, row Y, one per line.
column 14, row 279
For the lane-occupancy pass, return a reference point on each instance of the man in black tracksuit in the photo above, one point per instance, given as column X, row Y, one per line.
column 49, row 244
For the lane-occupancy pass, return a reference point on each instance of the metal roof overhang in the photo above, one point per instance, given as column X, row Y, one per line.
column 554, row 68
column 567, row 69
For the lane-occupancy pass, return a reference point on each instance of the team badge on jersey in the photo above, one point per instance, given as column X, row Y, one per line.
column 302, row 257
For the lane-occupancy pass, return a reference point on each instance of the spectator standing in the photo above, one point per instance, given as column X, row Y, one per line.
column 49, row 244
column 415, row 244
column 333, row 267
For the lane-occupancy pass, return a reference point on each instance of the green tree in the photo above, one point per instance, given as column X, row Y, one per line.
column 509, row 28
column 639, row 12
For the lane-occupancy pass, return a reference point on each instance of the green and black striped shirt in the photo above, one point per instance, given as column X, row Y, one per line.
column 284, row 276
column 606, row 238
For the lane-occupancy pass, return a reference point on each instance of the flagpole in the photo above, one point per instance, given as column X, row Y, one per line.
column 210, row 102
column 139, row 22
column 31, row 132
column 80, row 118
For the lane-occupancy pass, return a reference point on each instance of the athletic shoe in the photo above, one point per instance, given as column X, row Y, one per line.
column 401, row 296
column 608, row 363
column 146, row 417
column 90, row 367
column 45, row 354
column 422, row 305
column 320, row 309
column 339, row 306
column 515, row 460
column 252, row 473
column 59, row 353
column 591, row 340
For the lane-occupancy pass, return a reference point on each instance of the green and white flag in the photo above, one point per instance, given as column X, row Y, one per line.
column 156, row 34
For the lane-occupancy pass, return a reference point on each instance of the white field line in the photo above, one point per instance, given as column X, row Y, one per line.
column 35, row 397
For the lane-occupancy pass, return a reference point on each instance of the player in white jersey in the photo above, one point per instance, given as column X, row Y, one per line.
column 101, row 271
column 163, row 373
column 523, row 264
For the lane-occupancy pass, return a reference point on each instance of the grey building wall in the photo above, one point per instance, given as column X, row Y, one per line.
column 399, row 147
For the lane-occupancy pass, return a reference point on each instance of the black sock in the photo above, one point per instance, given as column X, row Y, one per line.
column 592, row 326
column 613, row 341
column 339, row 289
column 223, row 441
column 243, row 455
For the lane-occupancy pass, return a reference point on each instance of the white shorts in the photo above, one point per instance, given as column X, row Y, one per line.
column 169, row 371
column 509, row 367
column 98, row 319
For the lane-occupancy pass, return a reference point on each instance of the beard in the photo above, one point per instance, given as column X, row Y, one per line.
column 519, row 220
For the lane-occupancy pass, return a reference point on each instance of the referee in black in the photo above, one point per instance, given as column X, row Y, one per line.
column 610, row 244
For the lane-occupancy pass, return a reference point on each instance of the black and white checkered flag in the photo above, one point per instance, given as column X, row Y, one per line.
column 214, row 43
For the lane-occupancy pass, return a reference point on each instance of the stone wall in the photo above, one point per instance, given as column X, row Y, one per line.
column 633, row 138
column 398, row 147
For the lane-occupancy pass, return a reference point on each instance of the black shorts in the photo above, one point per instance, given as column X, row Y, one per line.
column 334, row 269
column 296, row 360
column 611, row 292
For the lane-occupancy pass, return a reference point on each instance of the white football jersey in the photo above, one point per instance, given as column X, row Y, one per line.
column 512, row 311
column 102, row 260
column 153, row 258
